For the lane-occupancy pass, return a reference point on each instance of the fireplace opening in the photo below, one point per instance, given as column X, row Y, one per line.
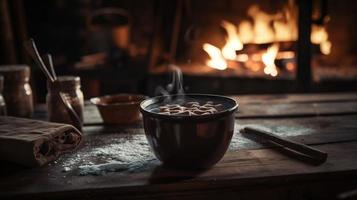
column 221, row 46
column 275, row 43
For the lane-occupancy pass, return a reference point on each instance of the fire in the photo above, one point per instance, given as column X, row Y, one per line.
column 246, row 31
column 319, row 35
column 268, row 59
column 285, row 24
column 217, row 61
column 233, row 42
column 264, row 28
column 261, row 29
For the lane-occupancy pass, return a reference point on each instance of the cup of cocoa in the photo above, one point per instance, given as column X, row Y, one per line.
column 189, row 131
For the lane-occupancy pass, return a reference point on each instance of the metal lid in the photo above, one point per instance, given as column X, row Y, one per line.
column 1, row 83
column 65, row 83
column 15, row 73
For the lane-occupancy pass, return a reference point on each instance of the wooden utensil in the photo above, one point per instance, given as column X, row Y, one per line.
column 51, row 75
column 72, row 113
column 32, row 50
column 313, row 153
column 50, row 63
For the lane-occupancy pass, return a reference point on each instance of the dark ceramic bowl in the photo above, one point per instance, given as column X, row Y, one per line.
column 189, row 141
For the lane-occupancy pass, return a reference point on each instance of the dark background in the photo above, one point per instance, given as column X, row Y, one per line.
column 61, row 28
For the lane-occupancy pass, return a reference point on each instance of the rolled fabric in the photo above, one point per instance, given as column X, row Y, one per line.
column 34, row 143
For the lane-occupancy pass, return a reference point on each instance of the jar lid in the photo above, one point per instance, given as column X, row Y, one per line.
column 65, row 83
column 15, row 72
column 1, row 83
column 70, row 79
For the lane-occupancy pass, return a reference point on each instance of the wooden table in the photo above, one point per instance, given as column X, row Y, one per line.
column 115, row 161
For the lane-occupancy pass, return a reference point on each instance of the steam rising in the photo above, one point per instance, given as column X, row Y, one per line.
column 176, row 85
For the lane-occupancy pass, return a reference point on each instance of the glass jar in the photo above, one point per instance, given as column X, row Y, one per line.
column 17, row 90
column 71, row 87
column 2, row 100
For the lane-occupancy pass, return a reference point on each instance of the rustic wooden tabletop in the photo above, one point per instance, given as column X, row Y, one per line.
column 116, row 162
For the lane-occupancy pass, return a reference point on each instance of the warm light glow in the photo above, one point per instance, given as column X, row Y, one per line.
column 263, row 33
column 319, row 35
column 242, row 58
column 233, row 42
column 268, row 59
column 255, row 67
column 246, row 33
column 284, row 28
column 256, row 57
column 216, row 59
column 325, row 47
column 284, row 31
column 290, row 66
column 285, row 24
column 286, row 55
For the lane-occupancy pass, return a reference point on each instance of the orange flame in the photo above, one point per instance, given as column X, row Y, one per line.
column 233, row 42
column 268, row 59
column 319, row 35
column 266, row 28
column 246, row 31
column 261, row 29
column 217, row 61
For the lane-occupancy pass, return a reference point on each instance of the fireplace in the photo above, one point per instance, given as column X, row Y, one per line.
column 221, row 46
column 240, row 44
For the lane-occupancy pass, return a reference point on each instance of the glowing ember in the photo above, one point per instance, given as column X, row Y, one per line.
column 268, row 59
column 290, row 66
column 319, row 35
column 233, row 42
column 217, row 61
column 325, row 47
column 286, row 55
column 242, row 57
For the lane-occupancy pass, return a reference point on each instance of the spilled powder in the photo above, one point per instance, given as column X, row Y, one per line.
column 239, row 142
column 111, row 153
column 130, row 152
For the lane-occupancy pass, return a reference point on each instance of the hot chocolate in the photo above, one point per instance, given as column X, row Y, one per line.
column 190, row 108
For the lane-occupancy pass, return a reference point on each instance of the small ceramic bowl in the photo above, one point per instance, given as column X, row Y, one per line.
column 119, row 108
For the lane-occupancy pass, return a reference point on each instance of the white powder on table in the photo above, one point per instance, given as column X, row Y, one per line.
column 119, row 152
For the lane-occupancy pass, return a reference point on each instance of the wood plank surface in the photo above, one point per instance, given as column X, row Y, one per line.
column 297, row 98
column 242, row 168
column 270, row 110
column 325, row 121
column 53, row 176
column 279, row 110
column 275, row 106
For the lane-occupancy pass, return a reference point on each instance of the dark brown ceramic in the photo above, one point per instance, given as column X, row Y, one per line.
column 189, row 141
column 120, row 108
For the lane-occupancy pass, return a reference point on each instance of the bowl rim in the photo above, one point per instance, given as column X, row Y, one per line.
column 96, row 100
column 222, row 113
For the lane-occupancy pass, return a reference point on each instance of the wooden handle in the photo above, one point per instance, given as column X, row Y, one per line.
column 298, row 147
column 72, row 113
column 32, row 50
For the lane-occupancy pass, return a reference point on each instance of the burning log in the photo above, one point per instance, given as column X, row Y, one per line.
column 252, row 48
